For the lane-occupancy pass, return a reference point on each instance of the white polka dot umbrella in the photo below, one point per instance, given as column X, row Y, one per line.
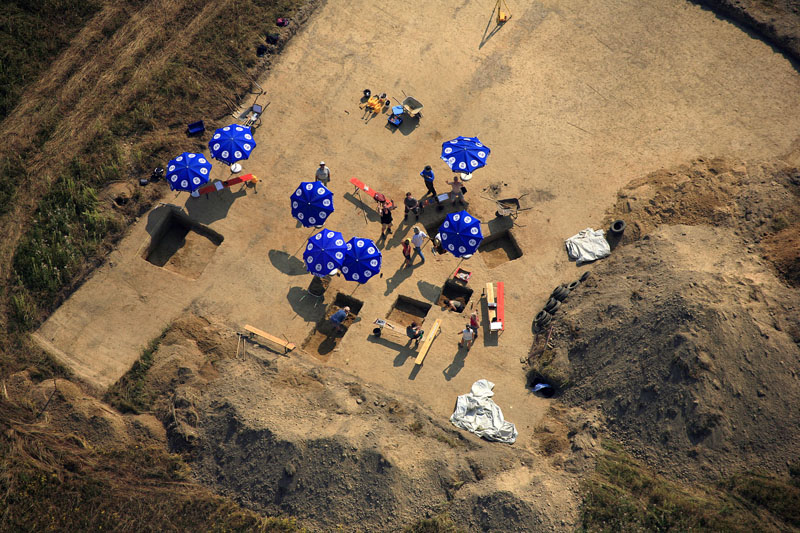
column 465, row 154
column 311, row 203
column 188, row 172
column 231, row 143
column 362, row 260
column 324, row 252
column 461, row 234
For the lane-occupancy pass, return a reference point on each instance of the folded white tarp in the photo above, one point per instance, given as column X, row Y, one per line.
column 588, row 245
column 477, row 412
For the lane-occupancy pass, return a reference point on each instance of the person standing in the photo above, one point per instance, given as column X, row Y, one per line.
column 417, row 239
column 474, row 323
column 386, row 218
column 467, row 337
column 427, row 175
column 457, row 193
column 407, row 253
column 323, row 174
column 411, row 205
column 414, row 333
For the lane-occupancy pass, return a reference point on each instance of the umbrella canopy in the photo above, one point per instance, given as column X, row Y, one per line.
column 362, row 260
column 324, row 252
column 188, row 172
column 231, row 144
column 312, row 202
column 461, row 234
column 465, row 154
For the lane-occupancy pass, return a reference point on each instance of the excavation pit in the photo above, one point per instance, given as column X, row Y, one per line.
column 322, row 341
column 499, row 248
column 181, row 245
column 455, row 291
column 407, row 310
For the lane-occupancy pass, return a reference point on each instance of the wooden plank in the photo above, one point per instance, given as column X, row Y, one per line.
column 280, row 342
column 490, row 299
column 426, row 344
column 501, row 303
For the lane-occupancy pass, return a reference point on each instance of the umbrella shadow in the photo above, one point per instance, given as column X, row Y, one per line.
column 456, row 365
column 287, row 264
column 213, row 206
column 400, row 275
column 306, row 306
column 371, row 214
column 429, row 291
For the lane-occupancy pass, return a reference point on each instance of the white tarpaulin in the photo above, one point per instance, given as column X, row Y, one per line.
column 477, row 412
column 588, row 245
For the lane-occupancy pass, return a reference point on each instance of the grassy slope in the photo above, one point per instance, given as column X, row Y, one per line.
column 623, row 495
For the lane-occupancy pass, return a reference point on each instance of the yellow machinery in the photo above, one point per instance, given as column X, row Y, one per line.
column 503, row 12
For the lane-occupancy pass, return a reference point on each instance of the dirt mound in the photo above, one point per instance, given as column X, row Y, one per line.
column 756, row 200
column 684, row 340
column 283, row 436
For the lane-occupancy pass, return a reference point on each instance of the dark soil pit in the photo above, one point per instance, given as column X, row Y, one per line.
column 322, row 341
column 432, row 226
column 454, row 291
column 499, row 248
column 182, row 245
column 407, row 310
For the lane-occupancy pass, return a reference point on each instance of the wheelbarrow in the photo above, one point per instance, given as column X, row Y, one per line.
column 509, row 207
column 411, row 106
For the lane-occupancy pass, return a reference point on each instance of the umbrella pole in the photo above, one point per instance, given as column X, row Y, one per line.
column 354, row 290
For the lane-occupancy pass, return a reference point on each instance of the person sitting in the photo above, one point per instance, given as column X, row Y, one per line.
column 412, row 205
column 414, row 333
column 338, row 317
column 455, row 305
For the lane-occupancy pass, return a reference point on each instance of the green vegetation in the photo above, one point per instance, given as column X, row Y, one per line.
column 623, row 495
column 438, row 524
column 130, row 394
column 66, row 231
column 778, row 497
column 54, row 482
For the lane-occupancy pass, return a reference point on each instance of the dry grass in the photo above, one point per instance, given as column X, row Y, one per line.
column 623, row 495
column 50, row 481
column 111, row 106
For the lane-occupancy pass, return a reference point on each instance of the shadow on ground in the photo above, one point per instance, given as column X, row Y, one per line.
column 285, row 263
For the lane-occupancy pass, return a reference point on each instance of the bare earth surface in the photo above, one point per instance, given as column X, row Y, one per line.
column 575, row 99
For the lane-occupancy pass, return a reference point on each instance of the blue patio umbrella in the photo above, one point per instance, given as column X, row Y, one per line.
column 188, row 172
column 324, row 252
column 460, row 234
column 362, row 260
column 312, row 203
column 231, row 143
column 465, row 154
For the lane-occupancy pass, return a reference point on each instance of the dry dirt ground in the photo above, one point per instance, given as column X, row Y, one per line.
column 575, row 99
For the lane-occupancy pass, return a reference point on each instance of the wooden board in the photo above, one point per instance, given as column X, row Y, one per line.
column 426, row 344
column 391, row 329
column 490, row 299
column 280, row 342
